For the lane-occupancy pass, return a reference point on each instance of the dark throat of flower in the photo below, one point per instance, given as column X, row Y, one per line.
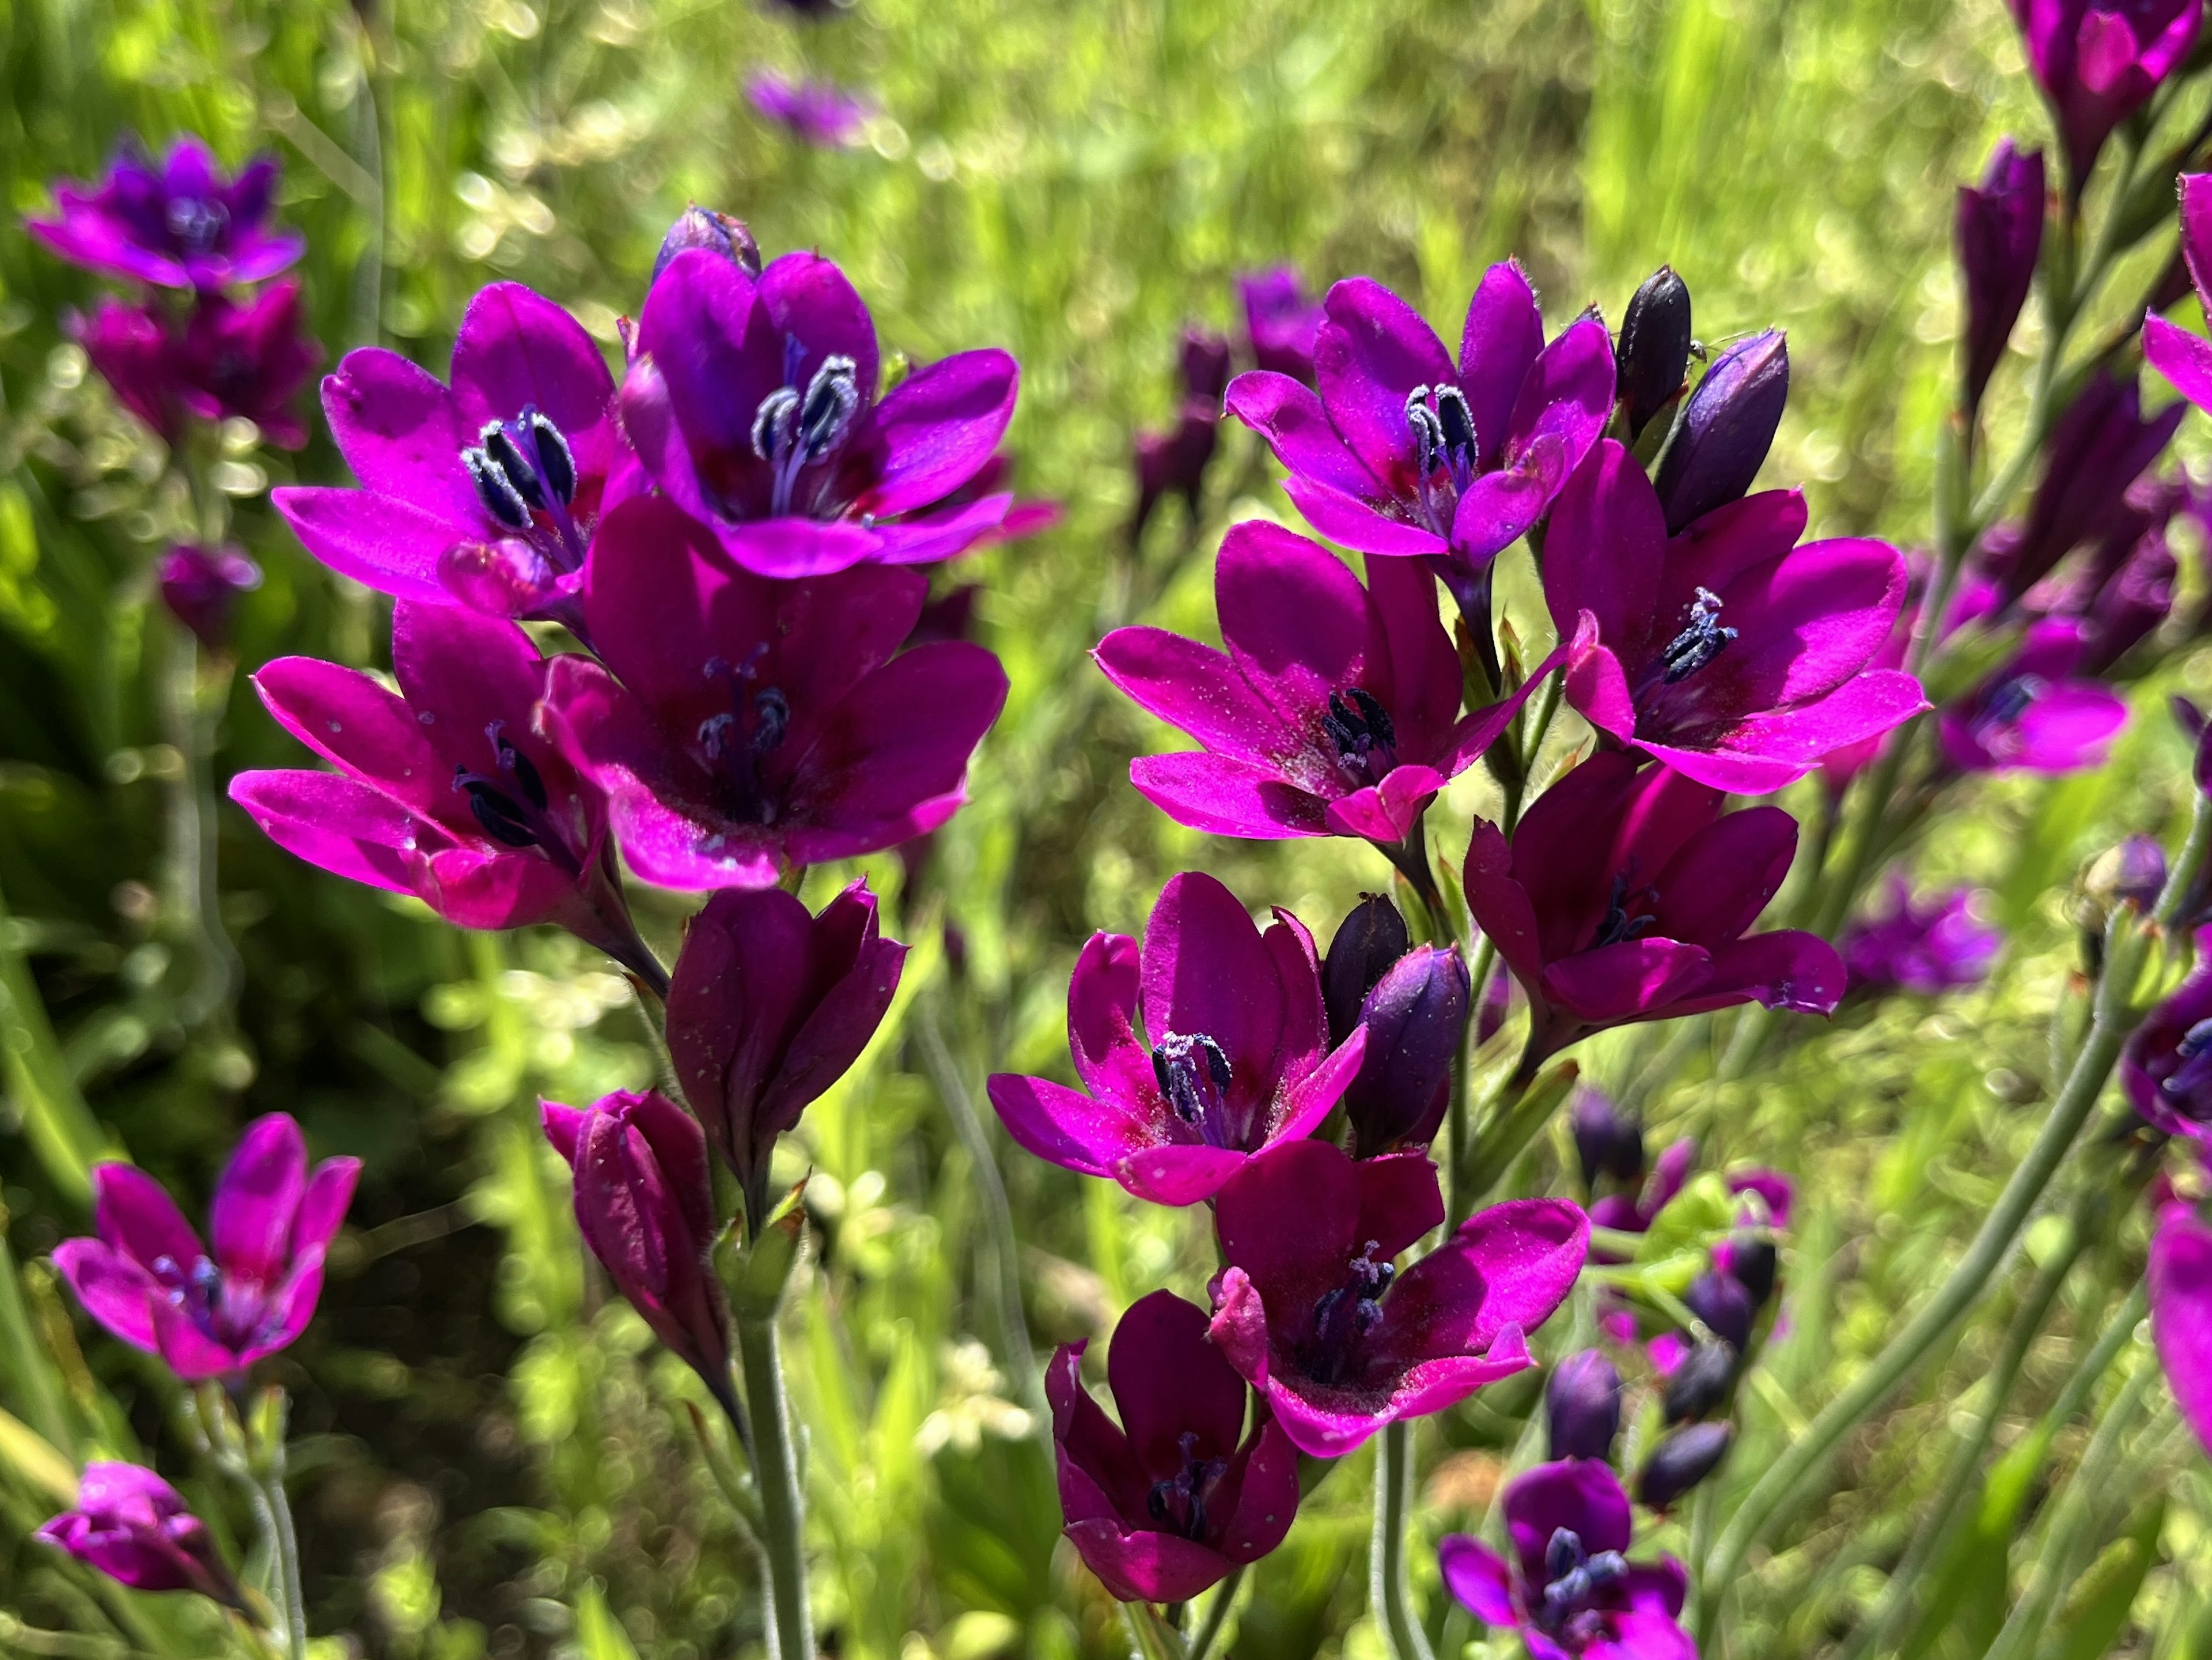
column 511, row 803
column 235, row 1313
column 1573, row 1579
column 1343, row 1317
column 1443, row 440
column 197, row 222
column 1364, row 737
column 794, row 429
column 1193, row 1071
column 1178, row 1502
column 737, row 744
column 2002, row 705
column 1624, row 919
column 524, row 476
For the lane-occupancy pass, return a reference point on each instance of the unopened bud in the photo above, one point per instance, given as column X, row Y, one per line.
column 1681, row 1461
column 1725, row 430
column 1607, row 1143
column 1753, row 1263
column 1583, row 1406
column 1999, row 233
column 1205, row 368
column 2132, row 873
column 1372, row 938
column 1654, row 354
column 717, row 232
column 1415, row 1018
column 1721, row 1301
column 1699, row 1383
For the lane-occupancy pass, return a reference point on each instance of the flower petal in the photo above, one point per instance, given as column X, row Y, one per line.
column 1497, row 346
column 938, row 429
column 250, row 1219
column 1369, row 354
column 1224, row 796
column 1067, row 1128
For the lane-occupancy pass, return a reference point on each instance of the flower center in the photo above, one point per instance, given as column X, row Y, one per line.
column 197, row 224
column 231, row 1311
column 1194, row 1073
column 738, row 743
column 1365, row 738
column 524, row 476
column 2004, row 704
column 511, row 802
column 1573, row 1578
column 1443, row 438
column 1618, row 923
column 1178, row 1502
column 1702, row 638
column 793, row 429
column 1343, row 1317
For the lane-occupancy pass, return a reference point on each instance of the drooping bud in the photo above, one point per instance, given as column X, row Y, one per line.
column 717, row 232
column 1205, row 362
column 201, row 587
column 1725, row 430
column 1654, row 354
column 1723, row 1303
column 2134, row 872
column 1416, row 1017
column 1999, row 235
column 1372, row 938
column 1607, row 1143
column 1583, row 1402
column 1700, row 1382
column 133, row 1527
column 1681, row 1461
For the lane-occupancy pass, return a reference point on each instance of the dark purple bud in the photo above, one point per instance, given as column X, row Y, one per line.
column 1999, row 233
column 1723, row 1303
column 2098, row 447
column 2132, row 873
column 1700, row 1382
column 1753, row 1263
column 1205, row 368
column 1173, row 462
column 717, row 232
column 1416, row 1017
column 2133, row 601
column 1654, row 353
column 201, row 587
column 1607, row 1143
column 1584, row 1402
column 133, row 1527
column 1726, row 428
column 1681, row 1461
column 1369, row 942
column 2187, row 716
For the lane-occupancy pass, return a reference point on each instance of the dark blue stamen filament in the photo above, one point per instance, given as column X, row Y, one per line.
column 1193, row 1071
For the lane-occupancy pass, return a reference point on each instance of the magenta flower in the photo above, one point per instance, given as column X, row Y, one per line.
column 815, row 112
column 2184, row 358
column 1729, row 652
column 451, row 791
column 759, row 723
column 1925, row 947
column 1173, row 462
column 1624, row 896
column 753, row 404
column 1311, row 1308
column 1234, row 1056
column 133, row 1527
column 2099, row 61
column 1176, row 1496
column 1998, row 236
column 2035, row 713
column 2167, row 1066
column 2180, row 1277
column 201, row 587
column 246, row 360
column 212, row 1311
column 1334, row 710
column 1281, row 326
column 484, row 495
column 769, row 1006
column 645, row 1207
column 129, row 346
column 1402, row 452
column 177, row 224
column 1568, row 1589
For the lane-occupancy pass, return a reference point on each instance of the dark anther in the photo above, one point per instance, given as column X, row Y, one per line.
column 1358, row 725
column 1344, row 1316
column 1700, row 641
column 1456, row 422
column 1185, row 1067
column 495, row 489
column 772, row 423
column 499, row 444
column 833, row 397
column 1428, row 430
column 1617, row 924
column 556, row 462
column 2006, row 703
column 195, row 222
column 496, row 811
column 1179, row 1501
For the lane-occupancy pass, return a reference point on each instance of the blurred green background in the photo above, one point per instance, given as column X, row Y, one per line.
column 490, row 1459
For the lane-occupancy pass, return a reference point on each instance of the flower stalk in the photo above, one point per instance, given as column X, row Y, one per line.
column 782, row 1500
column 1389, row 1592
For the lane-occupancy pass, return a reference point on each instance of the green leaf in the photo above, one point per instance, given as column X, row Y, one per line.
column 599, row 1635
column 2098, row 1604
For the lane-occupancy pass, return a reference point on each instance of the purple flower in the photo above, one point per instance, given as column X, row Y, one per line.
column 133, row 1527
column 2034, row 712
column 484, row 495
column 2180, row 1277
column 1402, row 452
column 1582, row 1406
column 1726, row 429
column 2167, row 1066
column 753, row 405
column 213, row 1310
column 452, row 790
column 719, row 234
column 1928, row 948
column 1281, row 326
column 177, row 224
column 1731, row 652
column 1998, row 236
column 1334, row 710
column 201, row 587
column 769, row 1006
column 1310, row 1308
column 2184, row 358
column 815, row 112
column 1176, row 1496
column 2099, row 61
column 759, row 723
column 645, row 1207
column 246, row 360
column 1634, row 1210
column 1234, row 1056
column 129, row 347
column 1624, row 896
column 1568, row 1589
column 1173, row 462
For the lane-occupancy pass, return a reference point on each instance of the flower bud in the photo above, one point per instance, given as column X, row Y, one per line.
column 1723, row 1303
column 1681, row 1461
column 1416, row 1017
column 133, row 1527
column 1654, row 353
column 1280, row 322
column 1583, row 1403
column 1752, row 1262
column 1700, row 1382
column 1607, row 1143
column 2133, row 873
column 717, row 232
column 1205, row 362
column 201, row 587
column 1725, row 430
column 1999, row 234
column 1372, row 938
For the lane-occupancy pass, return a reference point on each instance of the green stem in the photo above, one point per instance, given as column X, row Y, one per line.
column 1539, row 725
column 1459, row 1132
column 783, row 1507
column 59, row 1124
column 1389, row 1595
column 194, row 898
column 1779, row 1485
column 274, row 1512
column 1216, row 1616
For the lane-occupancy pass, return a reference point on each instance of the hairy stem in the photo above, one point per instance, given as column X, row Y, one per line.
column 783, row 1505
column 1389, row 1595
column 1216, row 1616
